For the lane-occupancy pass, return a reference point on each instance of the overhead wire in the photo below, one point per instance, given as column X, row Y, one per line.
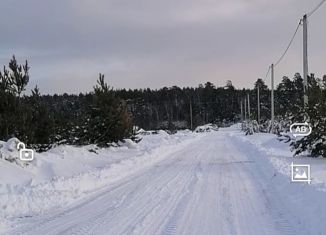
column 269, row 69
column 293, row 37
column 289, row 45
column 296, row 31
column 316, row 8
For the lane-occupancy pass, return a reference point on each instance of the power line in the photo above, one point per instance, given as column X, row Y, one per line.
column 269, row 69
column 296, row 31
column 316, row 8
column 288, row 47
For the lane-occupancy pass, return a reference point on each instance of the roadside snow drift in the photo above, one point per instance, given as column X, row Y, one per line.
column 66, row 173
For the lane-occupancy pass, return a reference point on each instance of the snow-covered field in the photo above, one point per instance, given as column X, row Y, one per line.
column 218, row 182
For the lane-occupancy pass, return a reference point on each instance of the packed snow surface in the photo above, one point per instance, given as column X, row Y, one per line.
column 218, row 182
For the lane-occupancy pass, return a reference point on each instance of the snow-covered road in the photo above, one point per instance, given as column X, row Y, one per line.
column 209, row 187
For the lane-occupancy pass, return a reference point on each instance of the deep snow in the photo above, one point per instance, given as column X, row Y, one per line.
column 66, row 174
column 221, row 182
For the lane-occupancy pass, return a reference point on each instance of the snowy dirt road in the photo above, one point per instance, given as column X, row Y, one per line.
column 210, row 187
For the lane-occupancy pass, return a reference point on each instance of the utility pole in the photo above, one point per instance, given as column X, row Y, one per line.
column 241, row 110
column 258, row 103
column 305, row 59
column 245, row 108
column 190, row 108
column 272, row 97
column 248, row 106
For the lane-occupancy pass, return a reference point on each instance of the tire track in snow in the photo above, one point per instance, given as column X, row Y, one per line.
column 158, row 194
column 170, row 227
column 207, row 188
column 134, row 195
column 180, row 188
column 86, row 210
column 281, row 220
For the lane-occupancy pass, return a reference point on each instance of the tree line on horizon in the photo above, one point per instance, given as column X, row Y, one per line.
column 106, row 115
column 98, row 117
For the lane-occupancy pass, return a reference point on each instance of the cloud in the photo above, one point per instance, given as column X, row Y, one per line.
column 153, row 43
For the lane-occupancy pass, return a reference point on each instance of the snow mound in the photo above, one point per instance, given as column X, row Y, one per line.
column 62, row 175
column 206, row 128
column 273, row 160
column 10, row 153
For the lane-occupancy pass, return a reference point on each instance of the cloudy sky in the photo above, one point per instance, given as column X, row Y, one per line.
column 156, row 43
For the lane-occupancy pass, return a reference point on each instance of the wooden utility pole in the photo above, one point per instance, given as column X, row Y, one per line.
column 258, row 104
column 305, row 60
column 272, row 97
column 245, row 107
column 249, row 114
column 241, row 110
column 190, row 109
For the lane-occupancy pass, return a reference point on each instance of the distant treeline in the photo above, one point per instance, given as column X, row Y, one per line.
column 95, row 118
column 106, row 115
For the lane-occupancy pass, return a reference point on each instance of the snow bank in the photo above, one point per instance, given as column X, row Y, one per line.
column 280, row 155
column 207, row 128
column 274, row 160
column 66, row 173
column 9, row 151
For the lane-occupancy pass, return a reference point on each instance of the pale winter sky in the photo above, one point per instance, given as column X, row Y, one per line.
column 156, row 43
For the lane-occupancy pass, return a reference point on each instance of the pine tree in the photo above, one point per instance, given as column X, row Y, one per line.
column 13, row 82
column 108, row 119
column 315, row 115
